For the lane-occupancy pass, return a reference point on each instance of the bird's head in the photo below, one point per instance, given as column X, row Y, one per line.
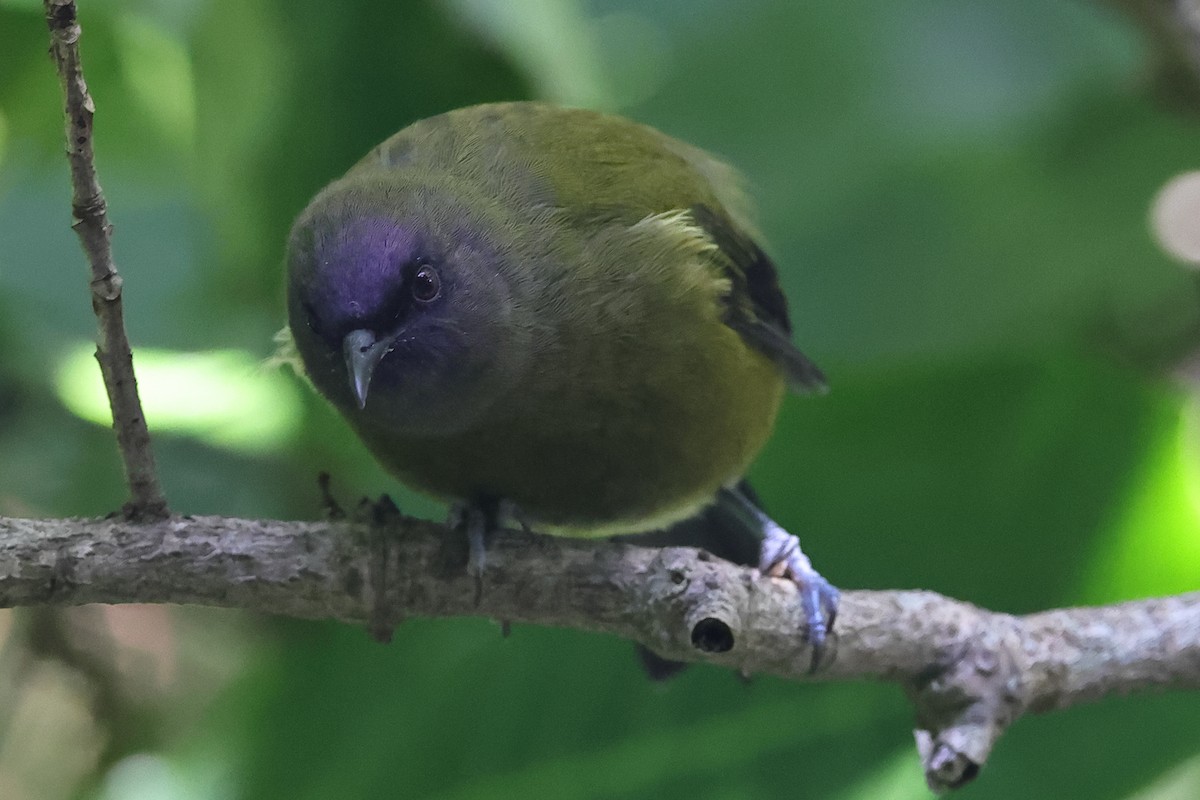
column 401, row 304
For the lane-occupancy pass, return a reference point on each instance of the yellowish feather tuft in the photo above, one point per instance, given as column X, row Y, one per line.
column 678, row 227
column 286, row 354
column 677, row 232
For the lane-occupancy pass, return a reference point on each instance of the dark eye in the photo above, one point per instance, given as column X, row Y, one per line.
column 314, row 324
column 426, row 285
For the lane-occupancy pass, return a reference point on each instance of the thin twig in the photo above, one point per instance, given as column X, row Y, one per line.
column 90, row 213
column 969, row 672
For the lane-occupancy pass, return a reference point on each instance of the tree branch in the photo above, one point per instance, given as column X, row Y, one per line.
column 90, row 212
column 969, row 672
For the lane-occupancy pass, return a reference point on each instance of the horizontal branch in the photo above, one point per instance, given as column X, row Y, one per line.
column 969, row 672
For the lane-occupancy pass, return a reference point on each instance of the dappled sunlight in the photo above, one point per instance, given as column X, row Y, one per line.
column 224, row 398
column 148, row 776
column 1155, row 545
column 1173, row 217
column 550, row 41
column 1189, row 462
column 896, row 778
column 3, row 136
column 158, row 72
column 1179, row 783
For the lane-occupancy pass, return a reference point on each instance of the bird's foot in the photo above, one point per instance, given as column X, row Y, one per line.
column 479, row 519
column 508, row 510
column 378, row 513
column 471, row 519
column 331, row 508
column 781, row 557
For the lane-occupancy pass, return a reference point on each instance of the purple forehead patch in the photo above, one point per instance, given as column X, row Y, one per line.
column 360, row 265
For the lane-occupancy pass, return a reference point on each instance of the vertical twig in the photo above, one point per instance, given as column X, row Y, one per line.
column 91, row 224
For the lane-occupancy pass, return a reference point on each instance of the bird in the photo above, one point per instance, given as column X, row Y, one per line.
column 557, row 316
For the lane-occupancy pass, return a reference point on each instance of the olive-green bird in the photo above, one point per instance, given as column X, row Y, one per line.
column 554, row 314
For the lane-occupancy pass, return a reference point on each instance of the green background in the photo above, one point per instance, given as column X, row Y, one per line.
column 956, row 193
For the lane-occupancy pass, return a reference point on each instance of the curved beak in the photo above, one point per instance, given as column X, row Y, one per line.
column 363, row 352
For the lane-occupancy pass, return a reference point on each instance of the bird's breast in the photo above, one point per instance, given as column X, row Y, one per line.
column 611, row 430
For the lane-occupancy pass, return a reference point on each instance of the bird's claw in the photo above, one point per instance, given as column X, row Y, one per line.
column 474, row 521
column 782, row 558
column 480, row 519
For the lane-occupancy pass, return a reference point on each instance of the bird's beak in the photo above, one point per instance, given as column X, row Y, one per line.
column 363, row 353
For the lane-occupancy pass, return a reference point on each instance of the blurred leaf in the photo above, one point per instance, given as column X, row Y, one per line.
column 227, row 398
column 3, row 137
column 158, row 72
column 550, row 40
column 969, row 479
column 569, row 712
column 322, row 110
column 897, row 778
column 1180, row 783
column 1154, row 547
column 901, row 237
column 1075, row 754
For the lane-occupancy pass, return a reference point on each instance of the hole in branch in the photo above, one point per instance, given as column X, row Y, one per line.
column 711, row 635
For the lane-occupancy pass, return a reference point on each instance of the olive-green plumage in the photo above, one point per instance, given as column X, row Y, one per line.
column 557, row 308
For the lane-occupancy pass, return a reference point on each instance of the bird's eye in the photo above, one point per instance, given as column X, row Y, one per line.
column 314, row 324
column 426, row 285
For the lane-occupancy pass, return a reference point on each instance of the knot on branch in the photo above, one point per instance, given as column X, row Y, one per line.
column 60, row 16
column 145, row 513
column 966, row 700
column 91, row 210
column 108, row 288
column 700, row 611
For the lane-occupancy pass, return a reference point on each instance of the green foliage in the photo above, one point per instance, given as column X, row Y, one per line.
column 956, row 194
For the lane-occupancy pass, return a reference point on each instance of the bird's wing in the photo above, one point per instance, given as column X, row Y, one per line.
column 756, row 307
